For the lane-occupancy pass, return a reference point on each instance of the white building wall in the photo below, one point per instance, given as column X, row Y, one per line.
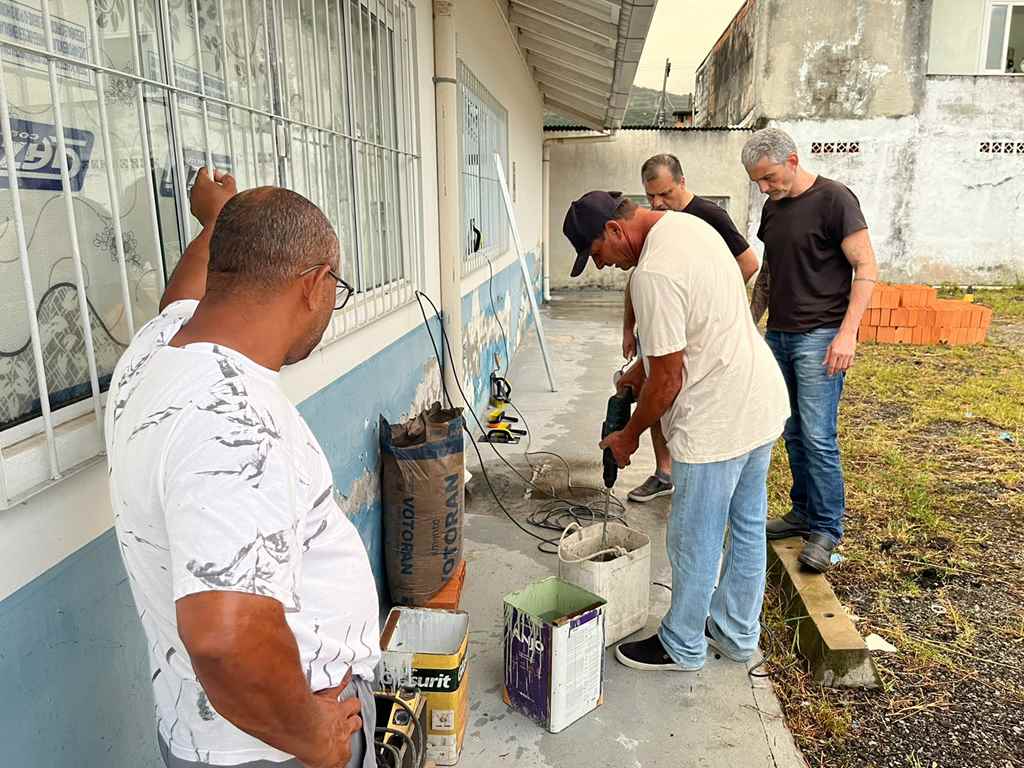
column 939, row 208
column 956, row 36
column 484, row 42
column 710, row 161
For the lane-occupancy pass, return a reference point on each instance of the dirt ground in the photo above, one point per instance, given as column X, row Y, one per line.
column 933, row 449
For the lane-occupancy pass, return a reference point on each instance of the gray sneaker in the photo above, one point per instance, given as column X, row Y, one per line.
column 651, row 488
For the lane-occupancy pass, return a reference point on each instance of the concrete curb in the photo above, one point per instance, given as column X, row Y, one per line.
column 826, row 637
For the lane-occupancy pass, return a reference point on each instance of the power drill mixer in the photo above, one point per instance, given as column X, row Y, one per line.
column 620, row 408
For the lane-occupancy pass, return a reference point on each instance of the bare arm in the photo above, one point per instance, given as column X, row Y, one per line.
column 747, row 262
column 628, row 325
column 861, row 255
column 207, row 198
column 664, row 383
column 759, row 295
column 247, row 661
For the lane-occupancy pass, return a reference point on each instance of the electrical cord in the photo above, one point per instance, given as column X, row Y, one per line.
column 558, row 508
column 444, row 388
column 494, row 309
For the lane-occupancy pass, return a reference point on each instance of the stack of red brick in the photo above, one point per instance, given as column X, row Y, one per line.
column 914, row 314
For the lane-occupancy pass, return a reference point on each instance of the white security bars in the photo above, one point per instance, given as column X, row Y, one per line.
column 108, row 107
column 483, row 132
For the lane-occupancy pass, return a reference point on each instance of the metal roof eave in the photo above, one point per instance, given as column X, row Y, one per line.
column 584, row 54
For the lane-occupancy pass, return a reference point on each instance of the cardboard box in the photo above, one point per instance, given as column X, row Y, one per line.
column 426, row 648
column 554, row 652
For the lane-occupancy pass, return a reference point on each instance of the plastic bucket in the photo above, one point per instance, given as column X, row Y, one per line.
column 619, row 571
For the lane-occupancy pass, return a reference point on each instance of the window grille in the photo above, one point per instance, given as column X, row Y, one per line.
column 483, row 131
column 105, row 106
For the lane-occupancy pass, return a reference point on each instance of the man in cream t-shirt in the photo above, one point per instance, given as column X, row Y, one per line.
column 722, row 402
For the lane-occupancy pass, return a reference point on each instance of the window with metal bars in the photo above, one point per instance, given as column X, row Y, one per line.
column 108, row 105
column 483, row 132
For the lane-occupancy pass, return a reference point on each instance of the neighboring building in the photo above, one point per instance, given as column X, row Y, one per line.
column 684, row 114
column 333, row 98
column 915, row 105
column 581, row 162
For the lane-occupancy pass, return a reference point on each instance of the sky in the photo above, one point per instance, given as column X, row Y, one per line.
column 683, row 31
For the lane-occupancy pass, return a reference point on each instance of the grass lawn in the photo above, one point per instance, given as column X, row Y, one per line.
column 932, row 441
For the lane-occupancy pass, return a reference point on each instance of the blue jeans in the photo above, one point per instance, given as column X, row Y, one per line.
column 707, row 496
column 818, row 493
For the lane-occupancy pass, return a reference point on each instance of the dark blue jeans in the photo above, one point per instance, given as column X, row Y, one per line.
column 818, row 493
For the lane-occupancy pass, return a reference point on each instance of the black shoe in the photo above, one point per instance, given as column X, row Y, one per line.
column 817, row 553
column 651, row 488
column 715, row 646
column 649, row 655
column 784, row 527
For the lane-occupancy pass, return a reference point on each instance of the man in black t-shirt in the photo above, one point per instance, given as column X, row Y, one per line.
column 666, row 190
column 823, row 270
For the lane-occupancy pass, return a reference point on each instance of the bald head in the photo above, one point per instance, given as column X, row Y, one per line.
column 266, row 236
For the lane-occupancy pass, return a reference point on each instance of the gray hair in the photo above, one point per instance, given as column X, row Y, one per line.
column 649, row 170
column 772, row 143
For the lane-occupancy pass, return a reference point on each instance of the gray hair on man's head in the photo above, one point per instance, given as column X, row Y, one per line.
column 653, row 165
column 775, row 144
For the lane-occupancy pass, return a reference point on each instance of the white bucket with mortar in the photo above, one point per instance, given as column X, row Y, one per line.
column 619, row 570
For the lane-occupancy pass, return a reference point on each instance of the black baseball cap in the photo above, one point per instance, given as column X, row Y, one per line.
column 585, row 222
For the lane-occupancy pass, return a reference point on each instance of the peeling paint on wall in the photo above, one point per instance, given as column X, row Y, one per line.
column 800, row 59
column 482, row 336
column 938, row 209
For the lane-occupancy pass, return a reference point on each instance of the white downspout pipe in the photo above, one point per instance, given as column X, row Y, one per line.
column 446, row 105
column 546, row 203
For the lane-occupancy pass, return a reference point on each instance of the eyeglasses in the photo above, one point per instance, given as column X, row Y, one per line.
column 343, row 292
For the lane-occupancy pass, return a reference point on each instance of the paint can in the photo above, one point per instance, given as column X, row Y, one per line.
column 426, row 649
column 554, row 652
column 619, row 571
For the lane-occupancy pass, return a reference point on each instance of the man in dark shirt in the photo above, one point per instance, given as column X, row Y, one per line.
column 666, row 190
column 823, row 270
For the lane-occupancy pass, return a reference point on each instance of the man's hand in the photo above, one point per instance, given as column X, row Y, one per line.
column 628, row 343
column 341, row 720
column 208, row 195
column 246, row 658
column 623, row 445
column 633, row 378
column 840, row 353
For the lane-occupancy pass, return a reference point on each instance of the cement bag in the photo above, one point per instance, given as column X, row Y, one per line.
column 423, row 484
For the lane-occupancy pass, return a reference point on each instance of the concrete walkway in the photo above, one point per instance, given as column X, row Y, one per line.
column 717, row 717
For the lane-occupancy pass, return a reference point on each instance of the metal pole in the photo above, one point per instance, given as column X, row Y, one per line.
column 526, row 272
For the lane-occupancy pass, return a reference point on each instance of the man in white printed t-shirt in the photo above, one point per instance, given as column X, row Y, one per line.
column 253, row 588
column 722, row 402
